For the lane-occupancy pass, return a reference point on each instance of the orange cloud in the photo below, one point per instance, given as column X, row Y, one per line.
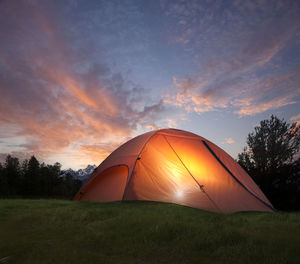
column 259, row 107
column 229, row 141
column 54, row 110
column 296, row 119
column 243, row 96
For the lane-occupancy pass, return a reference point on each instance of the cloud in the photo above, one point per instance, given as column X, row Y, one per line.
column 241, row 55
column 211, row 24
column 172, row 123
column 240, row 95
column 97, row 152
column 229, row 141
column 246, row 79
column 296, row 119
column 258, row 107
column 152, row 126
column 54, row 97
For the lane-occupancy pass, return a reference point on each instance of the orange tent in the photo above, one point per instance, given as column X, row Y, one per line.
column 174, row 166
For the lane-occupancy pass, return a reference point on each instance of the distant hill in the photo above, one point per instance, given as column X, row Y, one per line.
column 81, row 174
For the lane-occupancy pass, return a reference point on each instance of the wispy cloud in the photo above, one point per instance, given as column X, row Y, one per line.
column 239, row 95
column 52, row 105
column 245, row 74
column 229, row 141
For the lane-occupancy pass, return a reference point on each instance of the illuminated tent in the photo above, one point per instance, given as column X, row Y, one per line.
column 174, row 166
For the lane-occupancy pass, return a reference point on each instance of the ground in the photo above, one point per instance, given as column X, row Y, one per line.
column 57, row 231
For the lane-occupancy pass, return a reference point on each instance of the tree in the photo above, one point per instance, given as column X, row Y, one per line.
column 50, row 180
column 32, row 184
column 272, row 144
column 10, row 177
column 271, row 158
column 3, row 182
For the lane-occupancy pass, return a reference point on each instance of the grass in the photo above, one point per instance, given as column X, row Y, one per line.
column 56, row 231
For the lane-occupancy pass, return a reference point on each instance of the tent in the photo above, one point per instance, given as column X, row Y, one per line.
column 174, row 166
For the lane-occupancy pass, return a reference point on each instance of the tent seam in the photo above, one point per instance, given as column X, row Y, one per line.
column 133, row 169
column 200, row 186
column 235, row 178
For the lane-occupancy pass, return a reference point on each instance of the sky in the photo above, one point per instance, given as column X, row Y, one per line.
column 79, row 78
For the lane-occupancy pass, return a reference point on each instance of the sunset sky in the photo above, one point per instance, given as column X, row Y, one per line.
column 79, row 78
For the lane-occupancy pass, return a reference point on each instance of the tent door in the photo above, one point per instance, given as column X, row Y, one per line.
column 108, row 186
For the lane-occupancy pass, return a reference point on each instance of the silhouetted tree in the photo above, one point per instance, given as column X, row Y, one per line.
column 71, row 186
column 10, row 177
column 49, row 179
column 3, row 182
column 272, row 144
column 269, row 158
column 285, row 191
column 32, row 179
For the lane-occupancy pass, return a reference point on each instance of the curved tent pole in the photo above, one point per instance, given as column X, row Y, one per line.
column 138, row 158
column 200, row 186
column 235, row 178
column 81, row 192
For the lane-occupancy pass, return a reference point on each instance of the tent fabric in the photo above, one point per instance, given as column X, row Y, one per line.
column 110, row 186
column 175, row 166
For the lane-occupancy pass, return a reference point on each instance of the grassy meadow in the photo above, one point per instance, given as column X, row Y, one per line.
column 57, row 231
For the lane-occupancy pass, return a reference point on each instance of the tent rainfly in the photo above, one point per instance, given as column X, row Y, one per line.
column 174, row 166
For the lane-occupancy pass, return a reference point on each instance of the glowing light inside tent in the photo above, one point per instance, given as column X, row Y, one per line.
column 179, row 194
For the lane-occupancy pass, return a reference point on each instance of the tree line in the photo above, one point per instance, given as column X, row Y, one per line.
column 32, row 179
